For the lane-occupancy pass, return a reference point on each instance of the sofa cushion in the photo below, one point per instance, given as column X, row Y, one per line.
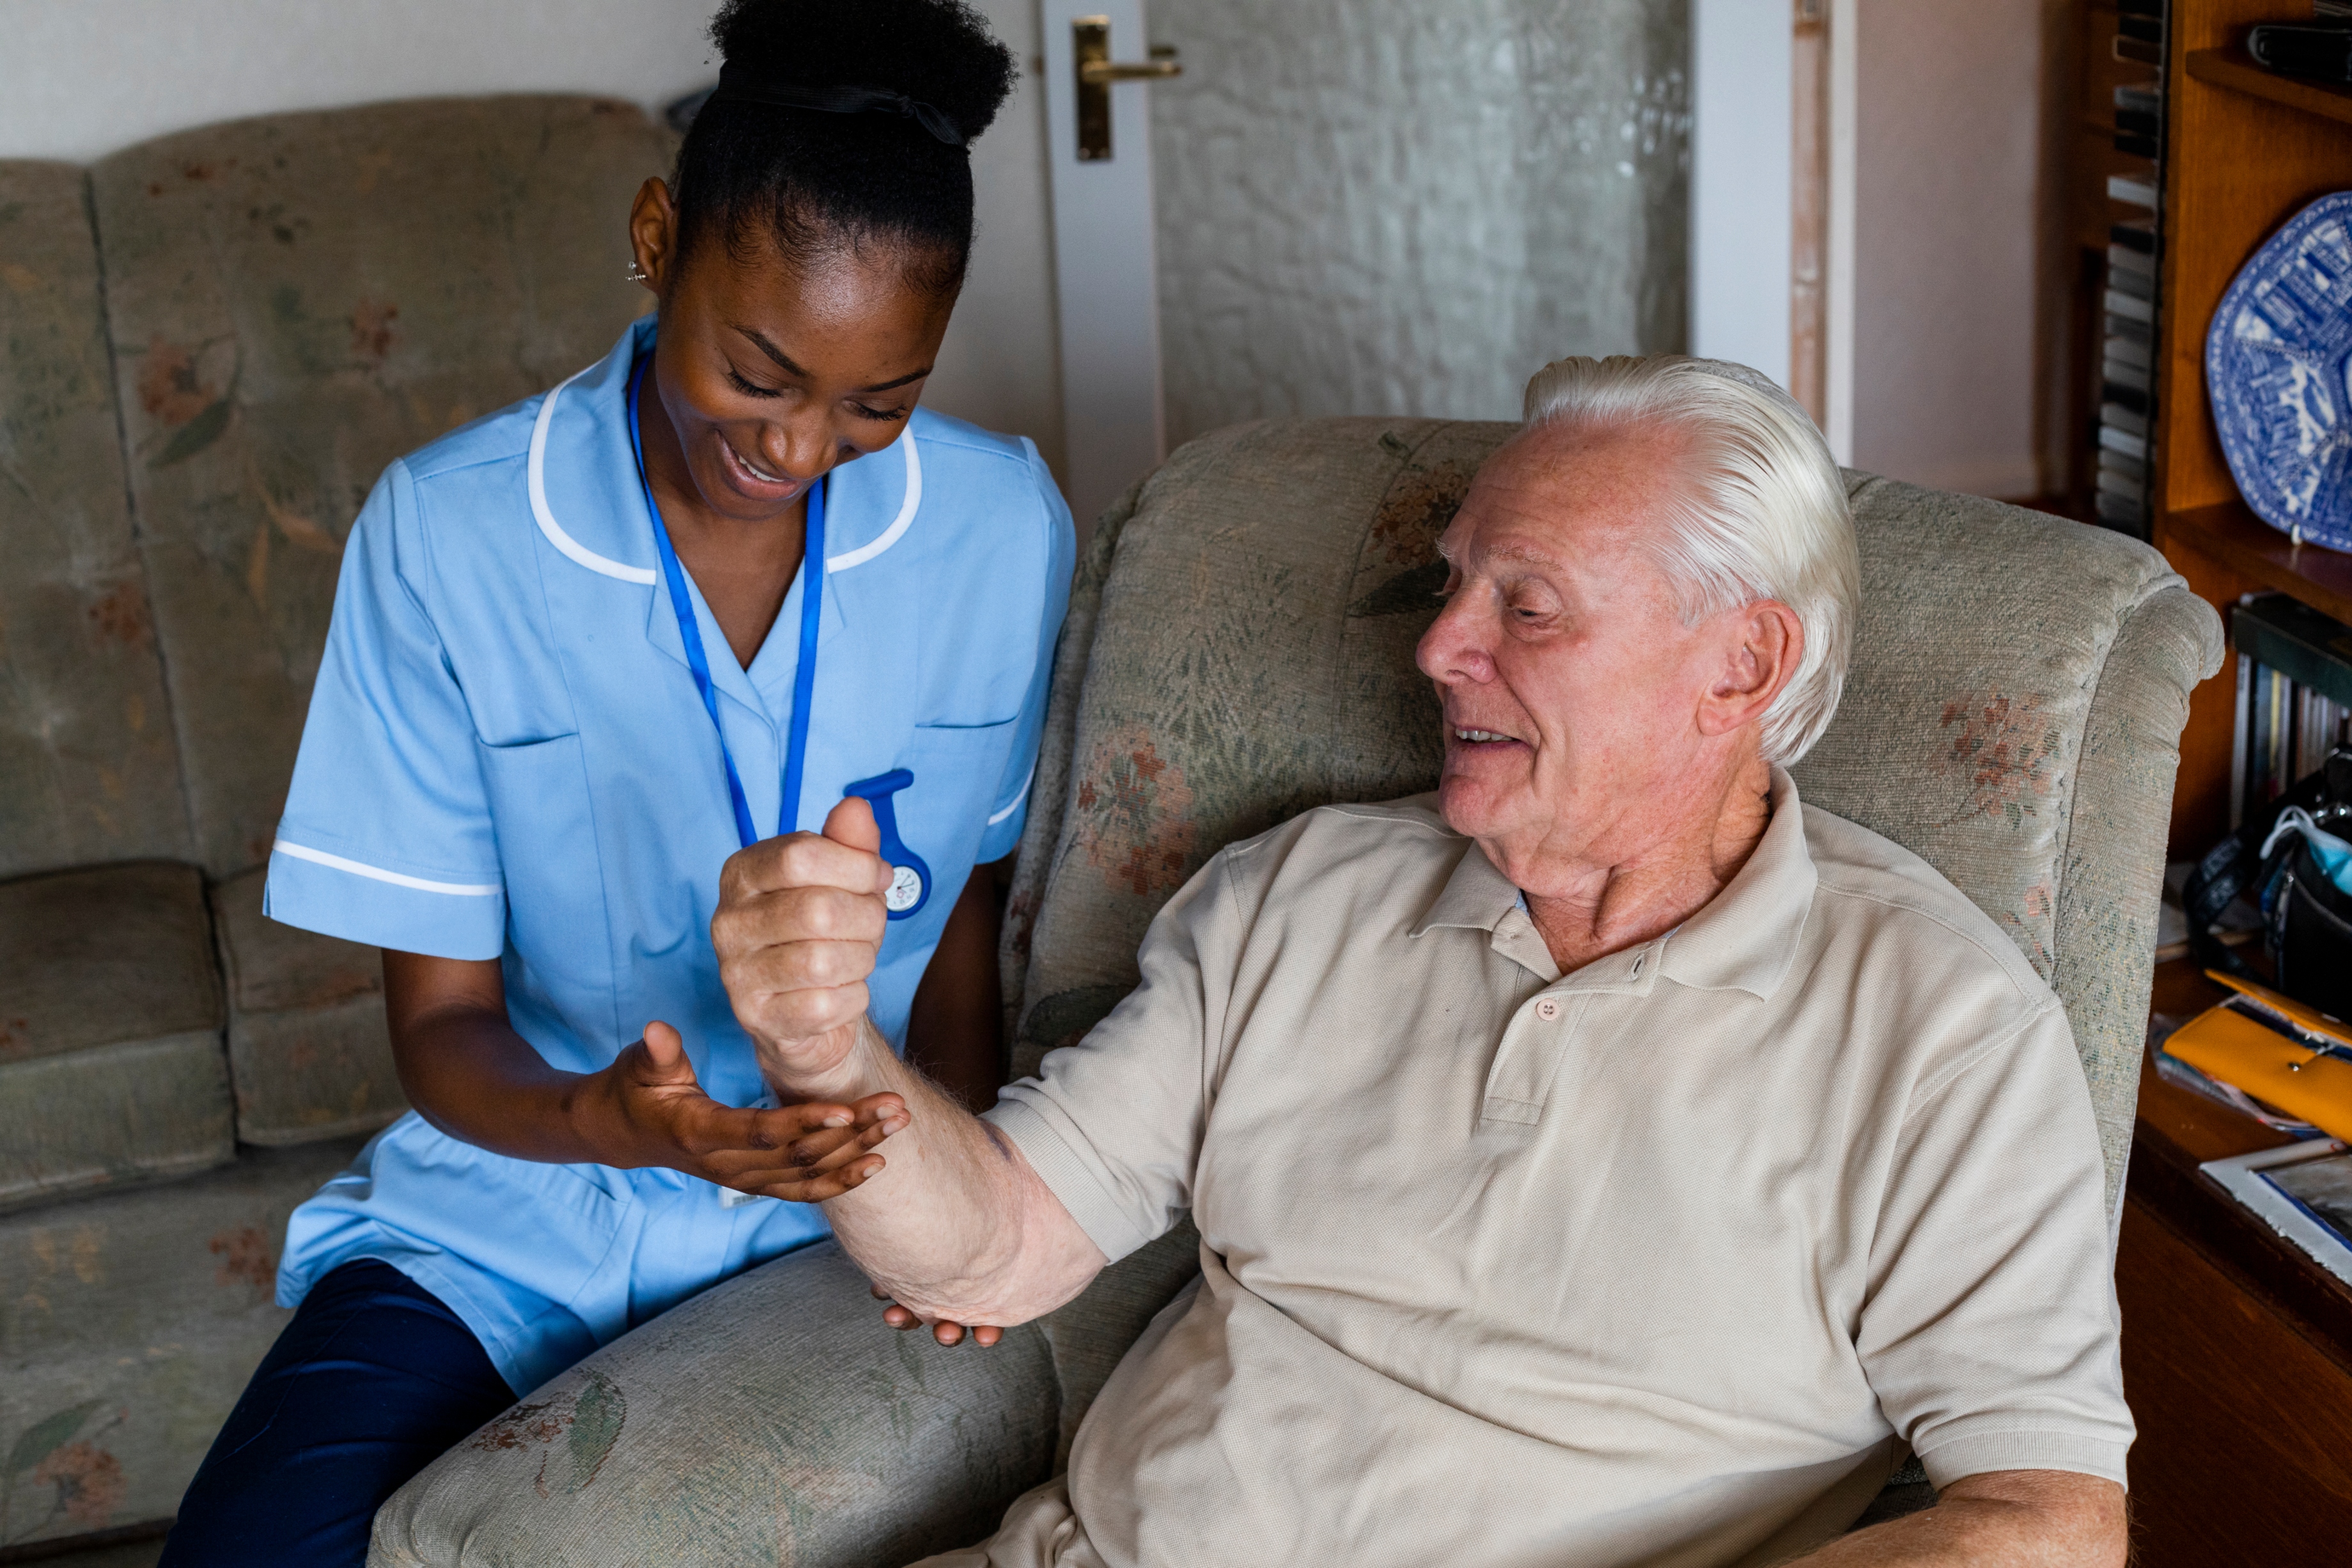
column 297, row 301
column 1240, row 649
column 110, row 1060
column 771, row 1419
column 129, row 1325
column 88, row 768
column 308, row 1049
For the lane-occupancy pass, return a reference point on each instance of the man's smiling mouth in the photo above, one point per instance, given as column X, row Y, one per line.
column 1482, row 737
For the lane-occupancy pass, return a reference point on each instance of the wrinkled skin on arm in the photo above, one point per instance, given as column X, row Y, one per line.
column 2016, row 1519
column 953, row 1225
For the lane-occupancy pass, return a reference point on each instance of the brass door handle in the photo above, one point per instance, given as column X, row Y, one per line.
column 1098, row 73
column 1090, row 46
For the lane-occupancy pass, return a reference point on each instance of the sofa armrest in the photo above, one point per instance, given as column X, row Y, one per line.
column 772, row 1419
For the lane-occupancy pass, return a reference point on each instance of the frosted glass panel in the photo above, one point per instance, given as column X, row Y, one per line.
column 1406, row 206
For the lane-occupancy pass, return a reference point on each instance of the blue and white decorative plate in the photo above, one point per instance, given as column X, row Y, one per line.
column 2275, row 367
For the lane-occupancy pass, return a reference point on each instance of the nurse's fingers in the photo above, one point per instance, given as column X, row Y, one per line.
column 802, row 1188
column 815, row 1137
column 815, row 1144
column 666, row 1050
column 943, row 1330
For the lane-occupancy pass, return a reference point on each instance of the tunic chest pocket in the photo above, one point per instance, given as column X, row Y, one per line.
column 540, row 812
column 957, row 769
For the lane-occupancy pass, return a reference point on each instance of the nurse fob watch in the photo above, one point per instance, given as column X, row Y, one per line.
column 910, row 879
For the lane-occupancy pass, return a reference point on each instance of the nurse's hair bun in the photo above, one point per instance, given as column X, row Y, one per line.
column 841, row 122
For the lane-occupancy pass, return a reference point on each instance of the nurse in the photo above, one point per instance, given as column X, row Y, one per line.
column 586, row 651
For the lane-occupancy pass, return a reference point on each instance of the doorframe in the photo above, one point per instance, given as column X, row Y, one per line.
column 1844, row 112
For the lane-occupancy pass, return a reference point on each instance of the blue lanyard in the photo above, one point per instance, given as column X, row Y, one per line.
column 804, row 677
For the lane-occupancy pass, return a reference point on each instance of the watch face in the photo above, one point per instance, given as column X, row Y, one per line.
column 905, row 889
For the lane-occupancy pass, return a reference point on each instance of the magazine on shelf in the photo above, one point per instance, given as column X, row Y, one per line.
column 2303, row 1191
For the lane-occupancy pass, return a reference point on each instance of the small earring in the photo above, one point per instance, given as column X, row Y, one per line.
column 637, row 275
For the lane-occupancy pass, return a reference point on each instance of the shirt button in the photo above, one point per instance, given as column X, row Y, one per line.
column 1548, row 1010
column 1637, row 968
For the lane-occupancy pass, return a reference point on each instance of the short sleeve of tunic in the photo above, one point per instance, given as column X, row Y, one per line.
column 1009, row 808
column 386, row 837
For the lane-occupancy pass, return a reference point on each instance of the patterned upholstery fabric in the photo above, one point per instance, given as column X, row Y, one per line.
column 89, row 771
column 1959, row 737
column 287, row 305
column 129, row 1323
column 772, row 1419
column 297, row 301
column 308, row 1050
column 110, row 1067
column 1240, row 648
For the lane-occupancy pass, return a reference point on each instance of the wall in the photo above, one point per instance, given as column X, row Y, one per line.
column 1408, row 206
column 1739, row 244
column 80, row 78
column 1948, row 156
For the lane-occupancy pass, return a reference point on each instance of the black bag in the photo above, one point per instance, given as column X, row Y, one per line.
column 2307, row 918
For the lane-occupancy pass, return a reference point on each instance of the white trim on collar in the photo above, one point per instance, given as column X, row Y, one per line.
column 547, row 523
column 898, row 527
column 536, row 471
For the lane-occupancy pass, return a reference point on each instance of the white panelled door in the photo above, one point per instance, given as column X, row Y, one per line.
column 1098, row 150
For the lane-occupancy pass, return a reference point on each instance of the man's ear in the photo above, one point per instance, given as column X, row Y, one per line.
column 1763, row 643
column 653, row 233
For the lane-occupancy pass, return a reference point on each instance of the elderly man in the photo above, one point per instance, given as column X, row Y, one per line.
column 1608, row 1160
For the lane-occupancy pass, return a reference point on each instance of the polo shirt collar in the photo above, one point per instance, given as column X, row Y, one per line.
column 1744, row 938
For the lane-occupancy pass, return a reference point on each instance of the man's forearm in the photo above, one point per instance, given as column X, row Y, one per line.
column 2032, row 1518
column 957, row 1226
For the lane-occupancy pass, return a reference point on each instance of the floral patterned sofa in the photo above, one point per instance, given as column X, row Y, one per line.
column 210, row 345
column 1239, row 649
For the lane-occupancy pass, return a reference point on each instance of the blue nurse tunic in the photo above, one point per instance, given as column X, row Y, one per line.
column 507, row 757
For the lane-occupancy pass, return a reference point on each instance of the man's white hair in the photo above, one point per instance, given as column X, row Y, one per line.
column 1758, row 512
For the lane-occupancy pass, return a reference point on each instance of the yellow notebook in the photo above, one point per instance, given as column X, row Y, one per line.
column 2275, row 1049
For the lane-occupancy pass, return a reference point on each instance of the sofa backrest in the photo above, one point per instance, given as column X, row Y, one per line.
column 295, row 301
column 1240, row 648
column 88, row 769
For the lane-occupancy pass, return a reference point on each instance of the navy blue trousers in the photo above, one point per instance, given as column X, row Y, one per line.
column 368, row 1385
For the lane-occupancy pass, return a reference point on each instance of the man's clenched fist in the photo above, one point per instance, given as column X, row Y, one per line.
column 800, row 921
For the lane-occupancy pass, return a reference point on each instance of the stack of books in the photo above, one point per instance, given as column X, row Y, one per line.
column 2294, row 697
column 2127, row 357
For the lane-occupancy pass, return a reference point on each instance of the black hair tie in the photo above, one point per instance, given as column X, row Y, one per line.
column 741, row 86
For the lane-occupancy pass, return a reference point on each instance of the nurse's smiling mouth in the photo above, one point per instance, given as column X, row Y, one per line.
column 752, row 482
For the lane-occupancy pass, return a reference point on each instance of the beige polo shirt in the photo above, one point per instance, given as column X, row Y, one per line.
column 1657, row 1262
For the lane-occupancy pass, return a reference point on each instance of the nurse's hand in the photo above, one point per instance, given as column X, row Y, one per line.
column 800, row 921
column 648, row 1109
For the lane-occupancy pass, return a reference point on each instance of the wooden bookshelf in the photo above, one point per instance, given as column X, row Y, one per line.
column 2236, row 1349
column 2245, row 151
column 2233, row 69
column 2237, row 1345
column 2234, row 536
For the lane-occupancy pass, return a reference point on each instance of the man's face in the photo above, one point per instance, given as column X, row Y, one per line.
column 1571, row 688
